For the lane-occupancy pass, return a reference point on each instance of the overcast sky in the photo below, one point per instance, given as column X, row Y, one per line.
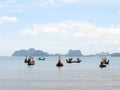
column 55, row 26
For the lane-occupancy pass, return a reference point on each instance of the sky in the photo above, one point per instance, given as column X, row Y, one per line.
column 55, row 26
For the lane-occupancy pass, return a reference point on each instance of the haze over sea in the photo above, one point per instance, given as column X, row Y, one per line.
column 44, row 75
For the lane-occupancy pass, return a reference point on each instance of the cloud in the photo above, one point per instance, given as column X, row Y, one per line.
column 69, row 1
column 15, row 5
column 118, row 12
column 8, row 19
column 2, row 6
column 74, row 29
column 96, row 1
column 48, row 2
column 6, row 3
column 55, row 2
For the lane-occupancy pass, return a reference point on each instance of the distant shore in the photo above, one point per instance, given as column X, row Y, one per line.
column 77, row 53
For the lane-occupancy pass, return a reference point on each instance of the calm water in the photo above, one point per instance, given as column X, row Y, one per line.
column 44, row 75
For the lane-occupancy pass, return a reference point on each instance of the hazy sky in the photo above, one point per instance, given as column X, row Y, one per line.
column 55, row 26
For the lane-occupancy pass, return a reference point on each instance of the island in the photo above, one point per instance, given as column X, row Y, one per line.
column 33, row 52
column 30, row 52
column 70, row 53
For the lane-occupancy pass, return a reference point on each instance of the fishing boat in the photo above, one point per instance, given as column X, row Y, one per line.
column 41, row 58
column 70, row 60
column 26, row 59
column 102, row 65
column 32, row 62
column 105, row 60
column 29, row 61
column 59, row 64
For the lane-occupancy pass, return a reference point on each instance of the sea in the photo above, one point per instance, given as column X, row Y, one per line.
column 44, row 75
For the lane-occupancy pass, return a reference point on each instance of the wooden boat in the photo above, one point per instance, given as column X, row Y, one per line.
column 73, row 61
column 26, row 60
column 102, row 65
column 104, row 60
column 59, row 64
column 41, row 58
column 31, row 62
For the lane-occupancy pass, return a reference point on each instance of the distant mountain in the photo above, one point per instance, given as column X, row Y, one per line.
column 33, row 52
column 74, row 53
column 77, row 53
column 101, row 54
column 115, row 54
column 107, row 54
column 30, row 52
